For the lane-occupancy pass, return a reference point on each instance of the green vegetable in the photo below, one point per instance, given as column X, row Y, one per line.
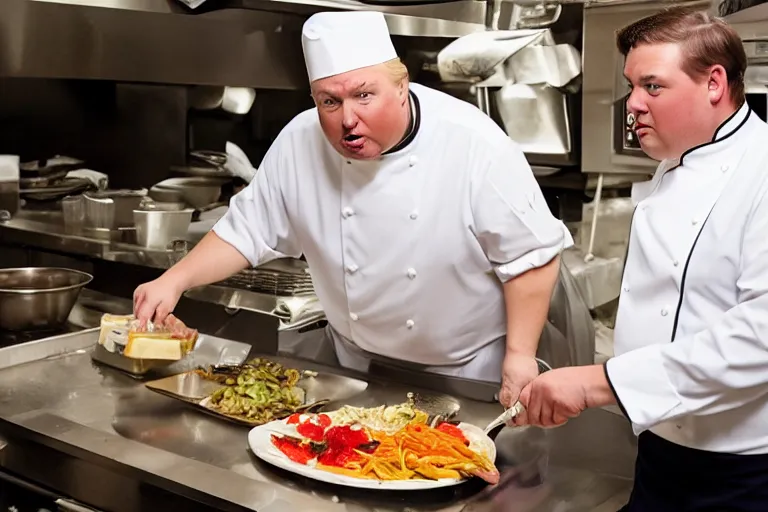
column 260, row 390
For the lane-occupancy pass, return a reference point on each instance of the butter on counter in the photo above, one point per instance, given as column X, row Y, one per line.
column 169, row 341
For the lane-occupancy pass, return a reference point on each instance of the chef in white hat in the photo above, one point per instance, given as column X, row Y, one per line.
column 428, row 239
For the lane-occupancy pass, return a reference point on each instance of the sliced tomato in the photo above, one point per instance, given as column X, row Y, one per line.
column 311, row 431
column 294, row 451
column 453, row 430
column 324, row 420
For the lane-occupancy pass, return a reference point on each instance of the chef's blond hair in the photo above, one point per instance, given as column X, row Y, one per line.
column 706, row 41
column 397, row 70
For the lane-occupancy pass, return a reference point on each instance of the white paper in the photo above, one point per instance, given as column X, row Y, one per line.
column 9, row 168
column 238, row 163
column 192, row 4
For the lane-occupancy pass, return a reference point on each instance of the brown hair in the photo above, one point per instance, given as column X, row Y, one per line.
column 706, row 42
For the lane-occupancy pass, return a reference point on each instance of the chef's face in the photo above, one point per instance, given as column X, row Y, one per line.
column 363, row 112
column 672, row 111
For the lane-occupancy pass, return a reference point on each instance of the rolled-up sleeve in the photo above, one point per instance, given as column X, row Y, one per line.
column 717, row 369
column 257, row 223
column 511, row 219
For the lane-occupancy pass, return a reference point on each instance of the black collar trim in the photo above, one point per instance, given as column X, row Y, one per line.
column 715, row 140
column 413, row 128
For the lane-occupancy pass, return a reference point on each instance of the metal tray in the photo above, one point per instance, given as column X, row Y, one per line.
column 319, row 389
column 208, row 351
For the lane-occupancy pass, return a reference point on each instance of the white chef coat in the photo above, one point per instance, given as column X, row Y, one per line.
column 691, row 333
column 408, row 252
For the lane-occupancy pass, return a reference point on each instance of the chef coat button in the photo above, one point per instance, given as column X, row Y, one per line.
column 412, row 273
column 675, row 263
column 679, row 427
column 348, row 212
column 694, row 221
column 351, row 268
column 413, row 160
column 353, row 317
column 664, row 312
column 724, row 168
column 414, row 215
column 626, row 288
column 410, row 323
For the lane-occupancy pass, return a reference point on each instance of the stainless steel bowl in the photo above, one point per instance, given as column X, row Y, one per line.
column 196, row 191
column 35, row 298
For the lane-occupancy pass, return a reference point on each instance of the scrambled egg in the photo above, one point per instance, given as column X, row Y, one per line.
column 389, row 419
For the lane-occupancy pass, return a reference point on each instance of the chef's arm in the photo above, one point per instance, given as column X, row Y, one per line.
column 255, row 230
column 258, row 224
column 527, row 299
column 720, row 368
column 211, row 260
column 522, row 240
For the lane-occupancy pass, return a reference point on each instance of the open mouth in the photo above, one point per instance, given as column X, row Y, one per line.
column 352, row 137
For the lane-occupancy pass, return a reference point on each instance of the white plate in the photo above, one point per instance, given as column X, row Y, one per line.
column 260, row 442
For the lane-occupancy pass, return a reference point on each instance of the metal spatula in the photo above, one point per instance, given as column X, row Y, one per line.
column 504, row 418
column 439, row 408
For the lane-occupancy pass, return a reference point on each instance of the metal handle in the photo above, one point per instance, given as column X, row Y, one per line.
column 27, row 486
column 598, row 196
column 71, row 506
column 543, row 365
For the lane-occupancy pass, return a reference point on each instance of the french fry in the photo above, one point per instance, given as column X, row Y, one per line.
column 417, row 451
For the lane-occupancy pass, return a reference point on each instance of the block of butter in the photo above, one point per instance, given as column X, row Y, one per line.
column 170, row 341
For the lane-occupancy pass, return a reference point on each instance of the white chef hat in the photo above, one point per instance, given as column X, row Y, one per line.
column 337, row 42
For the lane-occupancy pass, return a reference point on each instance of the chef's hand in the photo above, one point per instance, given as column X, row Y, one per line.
column 556, row 396
column 156, row 299
column 518, row 370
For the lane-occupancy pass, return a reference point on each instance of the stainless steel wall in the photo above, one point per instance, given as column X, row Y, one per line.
column 133, row 132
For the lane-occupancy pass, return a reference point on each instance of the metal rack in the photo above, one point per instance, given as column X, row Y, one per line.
column 273, row 282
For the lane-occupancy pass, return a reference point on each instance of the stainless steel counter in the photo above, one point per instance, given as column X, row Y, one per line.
column 46, row 230
column 61, row 414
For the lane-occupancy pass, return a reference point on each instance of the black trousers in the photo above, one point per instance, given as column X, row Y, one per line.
column 673, row 478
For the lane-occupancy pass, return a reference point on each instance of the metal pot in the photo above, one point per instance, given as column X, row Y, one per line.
column 112, row 209
column 38, row 297
column 155, row 229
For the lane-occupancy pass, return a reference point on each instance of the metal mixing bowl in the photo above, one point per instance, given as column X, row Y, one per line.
column 35, row 298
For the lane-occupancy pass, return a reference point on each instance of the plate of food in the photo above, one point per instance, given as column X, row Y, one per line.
column 256, row 392
column 387, row 448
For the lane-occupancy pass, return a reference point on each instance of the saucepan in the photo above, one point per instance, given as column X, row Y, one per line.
column 35, row 298
column 156, row 228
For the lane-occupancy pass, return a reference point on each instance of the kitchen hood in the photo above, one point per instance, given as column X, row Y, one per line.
column 252, row 43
